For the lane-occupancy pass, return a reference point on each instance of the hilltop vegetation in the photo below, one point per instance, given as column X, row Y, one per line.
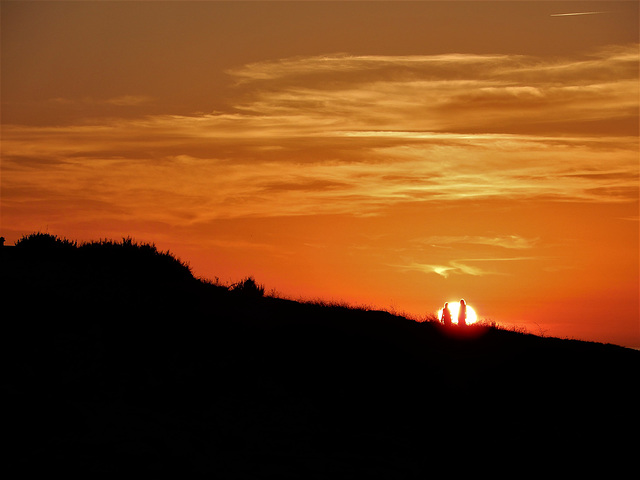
column 118, row 360
column 125, row 256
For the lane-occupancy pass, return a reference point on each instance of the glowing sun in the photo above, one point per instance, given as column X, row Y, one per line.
column 454, row 307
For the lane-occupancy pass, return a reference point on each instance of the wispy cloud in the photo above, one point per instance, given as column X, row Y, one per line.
column 506, row 241
column 460, row 267
column 360, row 67
column 445, row 92
column 341, row 134
column 449, row 257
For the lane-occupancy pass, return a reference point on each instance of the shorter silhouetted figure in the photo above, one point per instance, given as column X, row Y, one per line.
column 462, row 314
column 1, row 241
column 446, row 315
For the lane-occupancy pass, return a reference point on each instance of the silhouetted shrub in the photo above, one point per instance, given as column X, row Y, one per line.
column 248, row 288
column 41, row 240
column 128, row 261
column 432, row 317
column 132, row 256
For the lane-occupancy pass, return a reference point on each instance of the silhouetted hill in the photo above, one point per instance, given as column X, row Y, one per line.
column 117, row 360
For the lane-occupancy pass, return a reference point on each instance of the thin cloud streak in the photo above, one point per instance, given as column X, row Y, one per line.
column 508, row 241
column 459, row 267
column 360, row 65
column 574, row 14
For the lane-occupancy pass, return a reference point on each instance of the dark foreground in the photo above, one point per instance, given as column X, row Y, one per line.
column 115, row 364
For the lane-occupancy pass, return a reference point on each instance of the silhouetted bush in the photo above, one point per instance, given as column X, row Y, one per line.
column 131, row 255
column 41, row 240
column 432, row 317
column 248, row 288
column 127, row 260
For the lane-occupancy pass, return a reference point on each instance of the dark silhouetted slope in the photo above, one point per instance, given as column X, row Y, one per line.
column 117, row 360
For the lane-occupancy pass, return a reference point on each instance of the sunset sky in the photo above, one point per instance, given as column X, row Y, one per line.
column 390, row 154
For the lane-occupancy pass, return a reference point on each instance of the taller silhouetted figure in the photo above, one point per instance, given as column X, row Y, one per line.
column 446, row 315
column 462, row 314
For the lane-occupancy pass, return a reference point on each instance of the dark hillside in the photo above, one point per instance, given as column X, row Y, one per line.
column 117, row 360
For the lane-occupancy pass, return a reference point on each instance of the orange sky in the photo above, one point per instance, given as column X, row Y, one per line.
column 397, row 155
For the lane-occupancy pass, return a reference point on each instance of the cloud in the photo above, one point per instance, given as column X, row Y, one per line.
column 220, row 175
column 349, row 69
column 445, row 92
column 452, row 268
column 341, row 134
column 574, row 14
column 459, row 267
column 506, row 241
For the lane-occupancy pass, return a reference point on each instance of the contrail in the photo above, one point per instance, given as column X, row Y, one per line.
column 573, row 14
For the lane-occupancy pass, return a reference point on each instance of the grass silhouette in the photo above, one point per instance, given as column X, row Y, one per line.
column 117, row 360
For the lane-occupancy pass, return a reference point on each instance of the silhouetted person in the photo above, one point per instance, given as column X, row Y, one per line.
column 462, row 314
column 1, row 241
column 446, row 315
